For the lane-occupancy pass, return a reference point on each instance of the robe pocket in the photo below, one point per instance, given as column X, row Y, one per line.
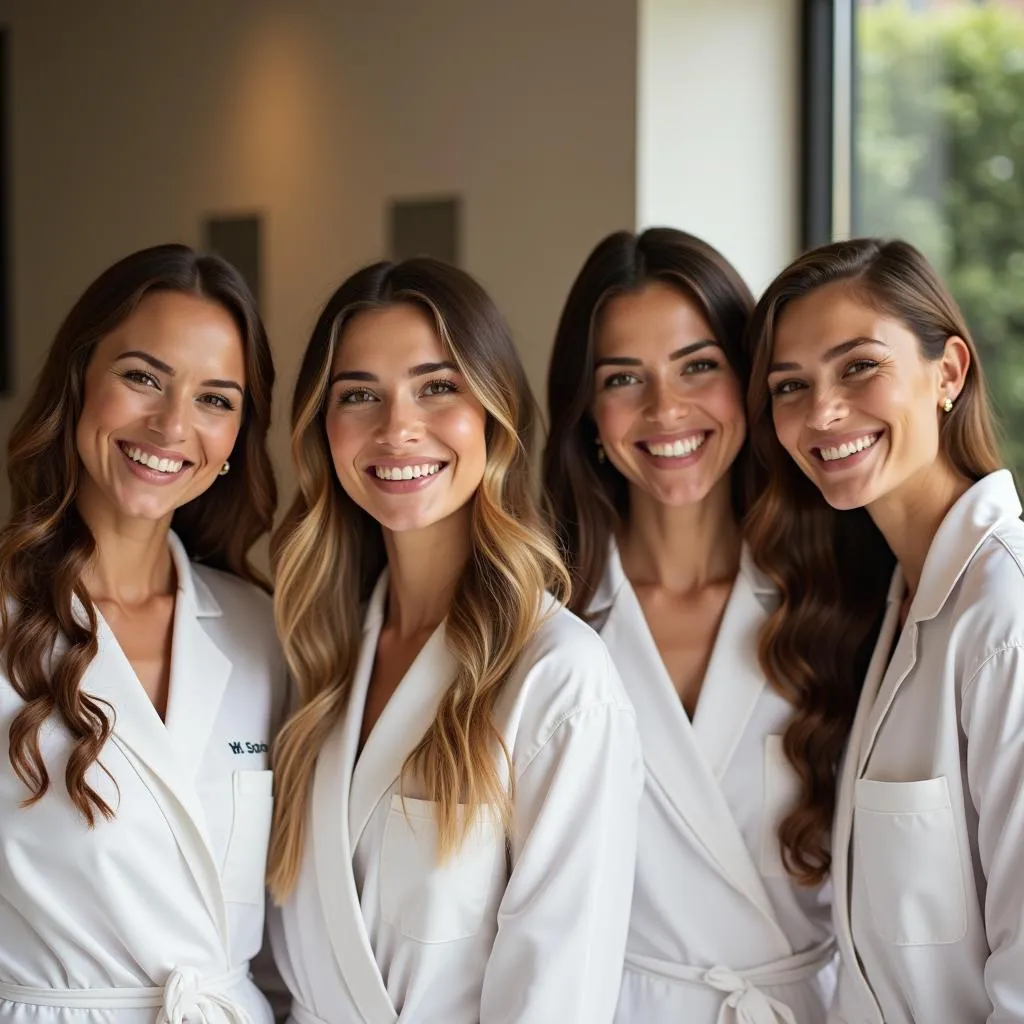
column 906, row 841
column 245, row 863
column 781, row 793
column 431, row 901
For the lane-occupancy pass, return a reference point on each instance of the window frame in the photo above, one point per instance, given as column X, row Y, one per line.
column 828, row 104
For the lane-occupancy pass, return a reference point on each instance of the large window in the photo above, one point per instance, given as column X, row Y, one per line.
column 929, row 101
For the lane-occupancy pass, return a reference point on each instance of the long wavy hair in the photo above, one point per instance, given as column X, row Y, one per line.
column 46, row 546
column 586, row 499
column 833, row 568
column 328, row 553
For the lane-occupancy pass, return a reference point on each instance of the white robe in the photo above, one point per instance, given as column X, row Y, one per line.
column 718, row 933
column 929, row 830
column 162, row 907
column 377, row 931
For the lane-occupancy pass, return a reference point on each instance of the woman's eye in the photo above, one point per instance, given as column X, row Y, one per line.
column 355, row 396
column 785, row 387
column 700, row 366
column 859, row 366
column 440, row 387
column 619, row 380
column 218, row 402
column 140, row 377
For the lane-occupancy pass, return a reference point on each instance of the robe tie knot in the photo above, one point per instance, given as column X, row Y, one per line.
column 189, row 998
column 745, row 1003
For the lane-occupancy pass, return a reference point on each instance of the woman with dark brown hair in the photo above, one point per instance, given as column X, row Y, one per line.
column 897, row 545
column 140, row 677
column 644, row 477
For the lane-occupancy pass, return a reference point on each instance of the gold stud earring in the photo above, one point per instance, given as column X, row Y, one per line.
column 224, row 469
column 600, row 450
column 947, row 405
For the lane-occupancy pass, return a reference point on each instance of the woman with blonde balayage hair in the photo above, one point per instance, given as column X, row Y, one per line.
column 645, row 475
column 140, row 677
column 897, row 544
column 456, row 830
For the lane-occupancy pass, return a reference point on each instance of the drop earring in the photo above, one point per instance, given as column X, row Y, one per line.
column 224, row 469
column 600, row 450
column 947, row 405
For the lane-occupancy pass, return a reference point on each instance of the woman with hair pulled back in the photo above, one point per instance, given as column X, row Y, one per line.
column 896, row 541
column 140, row 678
column 645, row 473
column 455, row 833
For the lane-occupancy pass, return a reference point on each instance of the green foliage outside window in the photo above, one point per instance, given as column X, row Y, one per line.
column 940, row 162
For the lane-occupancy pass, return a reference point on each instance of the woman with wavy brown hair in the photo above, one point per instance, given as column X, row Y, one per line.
column 896, row 541
column 645, row 473
column 139, row 674
column 456, row 825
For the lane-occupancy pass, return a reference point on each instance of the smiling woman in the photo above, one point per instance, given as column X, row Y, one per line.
column 391, row 375
column 462, row 773
column 184, row 388
column 133, row 823
column 870, row 422
column 644, row 476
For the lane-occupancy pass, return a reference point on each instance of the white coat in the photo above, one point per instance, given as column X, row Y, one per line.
column 929, row 829
column 378, row 931
column 718, row 933
column 157, row 912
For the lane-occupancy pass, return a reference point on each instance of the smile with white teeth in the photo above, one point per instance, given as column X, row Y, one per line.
column 406, row 472
column 676, row 449
column 152, row 461
column 844, row 451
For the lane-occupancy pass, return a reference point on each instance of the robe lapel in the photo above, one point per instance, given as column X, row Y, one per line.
column 148, row 745
column 399, row 729
column 672, row 755
column 333, row 847
column 902, row 661
column 199, row 669
column 733, row 682
column 967, row 525
column 853, row 760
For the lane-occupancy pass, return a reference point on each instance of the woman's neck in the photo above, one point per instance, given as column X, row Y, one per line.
column 684, row 548
column 132, row 562
column 910, row 517
column 424, row 567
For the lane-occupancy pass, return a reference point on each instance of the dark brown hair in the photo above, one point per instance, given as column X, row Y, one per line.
column 585, row 498
column 45, row 546
column 833, row 568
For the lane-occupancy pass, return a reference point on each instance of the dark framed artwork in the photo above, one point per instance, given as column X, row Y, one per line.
column 239, row 241
column 425, row 227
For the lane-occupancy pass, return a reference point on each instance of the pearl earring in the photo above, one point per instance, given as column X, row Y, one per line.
column 224, row 469
column 947, row 405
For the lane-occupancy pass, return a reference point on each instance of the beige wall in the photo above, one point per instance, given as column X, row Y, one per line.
column 556, row 121
column 718, row 126
column 131, row 121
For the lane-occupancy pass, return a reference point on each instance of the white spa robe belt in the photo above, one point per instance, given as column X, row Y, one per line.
column 185, row 998
column 746, row 1003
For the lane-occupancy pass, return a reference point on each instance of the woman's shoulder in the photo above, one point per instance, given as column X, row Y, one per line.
column 240, row 608
column 231, row 592
column 566, row 664
column 988, row 611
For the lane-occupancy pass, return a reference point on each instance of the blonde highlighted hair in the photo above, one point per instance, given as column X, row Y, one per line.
column 328, row 554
